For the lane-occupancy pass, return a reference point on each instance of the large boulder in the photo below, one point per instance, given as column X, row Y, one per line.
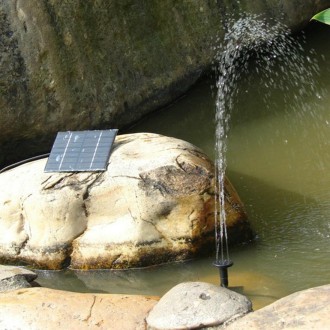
column 68, row 65
column 154, row 204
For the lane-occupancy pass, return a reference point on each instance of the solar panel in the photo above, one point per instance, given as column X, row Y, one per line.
column 81, row 151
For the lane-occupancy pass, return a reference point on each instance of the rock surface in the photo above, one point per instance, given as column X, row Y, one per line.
column 12, row 278
column 154, row 204
column 193, row 305
column 188, row 305
column 47, row 309
column 304, row 310
column 68, row 65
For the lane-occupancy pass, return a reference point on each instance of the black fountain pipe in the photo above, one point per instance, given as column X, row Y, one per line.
column 223, row 266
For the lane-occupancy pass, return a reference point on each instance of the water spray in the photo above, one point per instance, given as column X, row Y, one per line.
column 267, row 45
column 230, row 63
column 222, row 261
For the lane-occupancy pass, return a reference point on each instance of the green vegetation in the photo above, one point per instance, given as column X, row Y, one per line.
column 323, row 16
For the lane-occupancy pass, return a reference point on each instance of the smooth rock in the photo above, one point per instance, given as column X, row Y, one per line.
column 154, row 204
column 81, row 64
column 12, row 278
column 47, row 309
column 303, row 310
column 193, row 305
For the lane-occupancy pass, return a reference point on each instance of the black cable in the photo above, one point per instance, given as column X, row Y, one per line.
column 23, row 162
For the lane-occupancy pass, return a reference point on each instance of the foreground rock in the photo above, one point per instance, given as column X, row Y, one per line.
column 47, row 309
column 80, row 64
column 12, row 278
column 194, row 305
column 154, row 204
column 304, row 310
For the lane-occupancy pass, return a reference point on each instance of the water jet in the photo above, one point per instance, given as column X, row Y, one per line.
column 267, row 45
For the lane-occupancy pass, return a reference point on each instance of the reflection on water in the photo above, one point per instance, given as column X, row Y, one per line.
column 260, row 288
column 279, row 162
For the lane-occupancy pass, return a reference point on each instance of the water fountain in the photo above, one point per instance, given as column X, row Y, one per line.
column 265, row 44
column 282, row 243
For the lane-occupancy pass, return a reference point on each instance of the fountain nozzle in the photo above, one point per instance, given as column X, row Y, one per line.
column 223, row 266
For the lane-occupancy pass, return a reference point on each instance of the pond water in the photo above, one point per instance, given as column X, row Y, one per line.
column 279, row 162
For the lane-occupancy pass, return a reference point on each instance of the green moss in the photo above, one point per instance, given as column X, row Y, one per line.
column 112, row 47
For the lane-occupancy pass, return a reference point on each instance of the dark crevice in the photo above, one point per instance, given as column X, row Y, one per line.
column 86, row 193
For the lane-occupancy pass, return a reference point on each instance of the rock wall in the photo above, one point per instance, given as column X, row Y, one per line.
column 69, row 65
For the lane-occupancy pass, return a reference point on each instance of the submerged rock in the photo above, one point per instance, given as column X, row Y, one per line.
column 47, row 309
column 154, row 204
column 194, row 305
column 12, row 278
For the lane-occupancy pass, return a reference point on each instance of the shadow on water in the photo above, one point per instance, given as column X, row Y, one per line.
column 271, row 208
column 293, row 234
column 156, row 281
column 63, row 280
column 147, row 281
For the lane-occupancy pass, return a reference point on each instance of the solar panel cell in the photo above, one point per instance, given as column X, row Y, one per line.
column 81, row 151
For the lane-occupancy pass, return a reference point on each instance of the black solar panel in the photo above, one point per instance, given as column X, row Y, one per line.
column 81, row 151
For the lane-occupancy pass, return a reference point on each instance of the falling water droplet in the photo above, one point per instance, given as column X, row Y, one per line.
column 268, row 46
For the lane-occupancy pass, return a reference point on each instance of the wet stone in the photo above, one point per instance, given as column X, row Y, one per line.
column 12, row 278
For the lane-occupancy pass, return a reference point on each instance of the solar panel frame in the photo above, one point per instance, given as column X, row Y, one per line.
column 81, row 151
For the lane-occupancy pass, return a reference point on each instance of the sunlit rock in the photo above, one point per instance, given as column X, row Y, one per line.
column 154, row 204
column 42, row 308
column 193, row 305
column 308, row 309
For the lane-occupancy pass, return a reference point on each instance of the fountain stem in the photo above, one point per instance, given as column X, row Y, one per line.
column 223, row 266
